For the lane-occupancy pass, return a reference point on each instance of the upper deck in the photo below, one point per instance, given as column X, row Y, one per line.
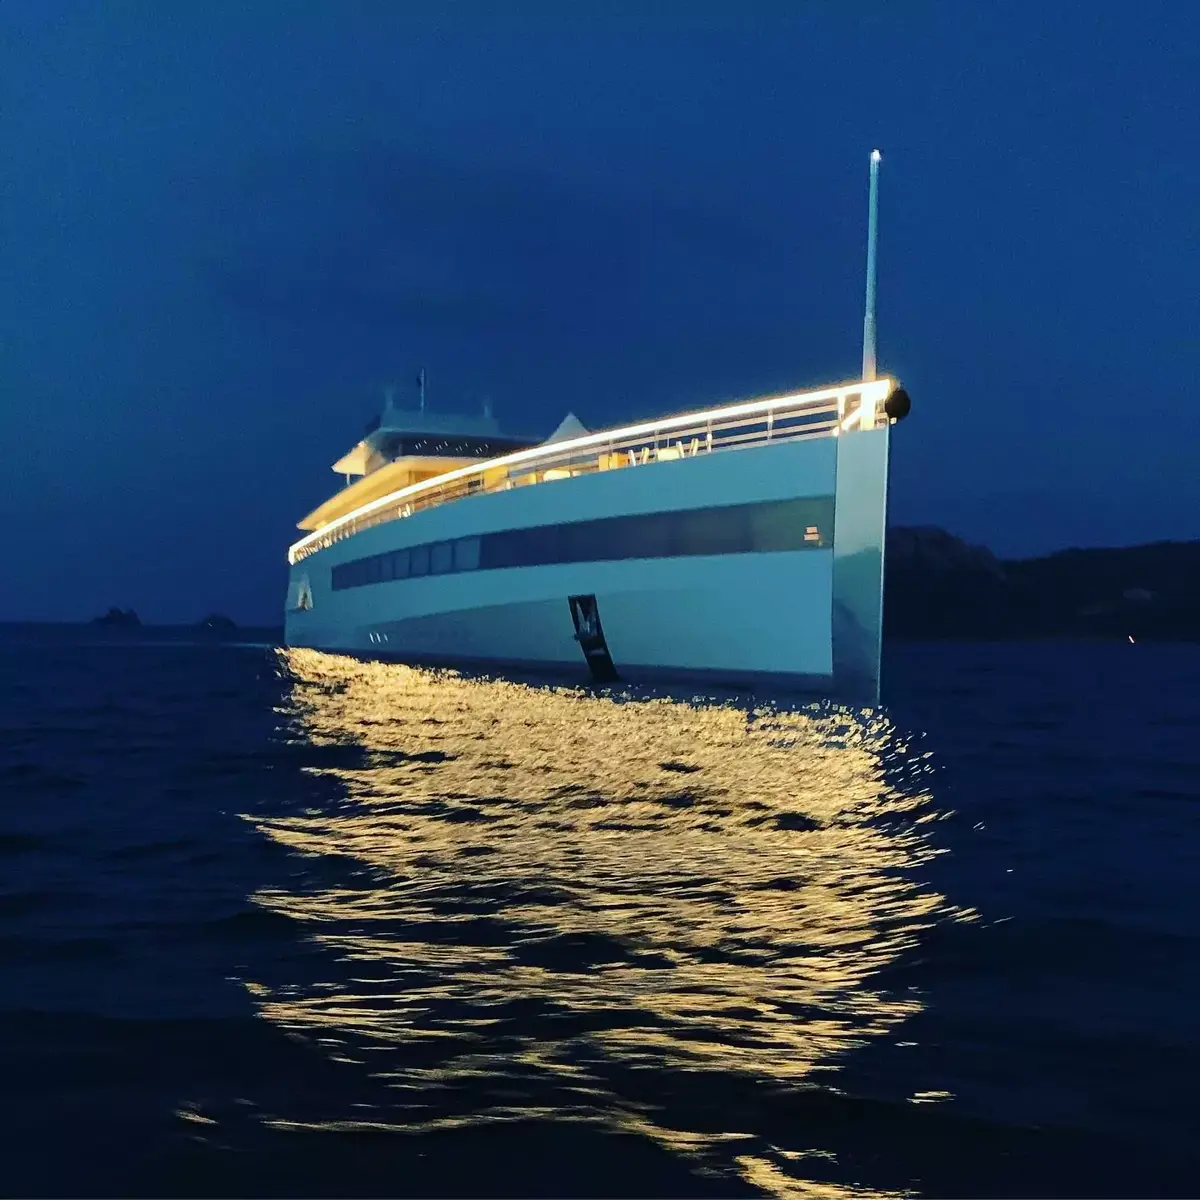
column 824, row 412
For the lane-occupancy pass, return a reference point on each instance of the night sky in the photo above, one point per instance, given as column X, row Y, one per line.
column 224, row 225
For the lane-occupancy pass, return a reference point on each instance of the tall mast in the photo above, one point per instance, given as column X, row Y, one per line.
column 868, row 361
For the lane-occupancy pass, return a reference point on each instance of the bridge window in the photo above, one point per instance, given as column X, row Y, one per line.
column 466, row 554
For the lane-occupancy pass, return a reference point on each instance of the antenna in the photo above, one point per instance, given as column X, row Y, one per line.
column 421, row 387
column 868, row 361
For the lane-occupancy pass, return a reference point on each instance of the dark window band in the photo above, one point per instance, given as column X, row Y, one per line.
column 734, row 529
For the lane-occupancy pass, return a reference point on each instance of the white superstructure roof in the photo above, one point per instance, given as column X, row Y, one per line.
column 569, row 427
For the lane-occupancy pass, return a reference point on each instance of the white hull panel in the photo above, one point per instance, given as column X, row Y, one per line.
column 678, row 615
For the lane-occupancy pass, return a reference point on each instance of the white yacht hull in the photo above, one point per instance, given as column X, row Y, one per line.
column 755, row 565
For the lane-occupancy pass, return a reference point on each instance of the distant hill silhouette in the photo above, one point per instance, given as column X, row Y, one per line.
column 938, row 586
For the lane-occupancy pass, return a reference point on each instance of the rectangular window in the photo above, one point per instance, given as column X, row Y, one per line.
column 466, row 554
column 441, row 558
column 400, row 564
column 419, row 561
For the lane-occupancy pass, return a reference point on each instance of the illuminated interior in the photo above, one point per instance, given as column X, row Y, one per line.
column 389, row 480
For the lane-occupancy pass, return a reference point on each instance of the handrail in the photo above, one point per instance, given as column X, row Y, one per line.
column 801, row 415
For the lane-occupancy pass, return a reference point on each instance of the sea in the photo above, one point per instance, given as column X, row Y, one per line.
column 281, row 923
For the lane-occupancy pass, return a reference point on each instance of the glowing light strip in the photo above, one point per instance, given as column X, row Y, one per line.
column 874, row 392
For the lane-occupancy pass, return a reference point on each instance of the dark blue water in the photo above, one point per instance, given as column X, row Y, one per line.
column 290, row 925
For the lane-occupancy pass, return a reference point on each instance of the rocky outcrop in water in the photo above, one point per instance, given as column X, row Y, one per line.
column 119, row 618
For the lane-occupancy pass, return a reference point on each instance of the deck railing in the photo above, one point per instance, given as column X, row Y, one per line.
column 816, row 414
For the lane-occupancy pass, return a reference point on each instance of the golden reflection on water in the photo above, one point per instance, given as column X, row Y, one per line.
column 557, row 887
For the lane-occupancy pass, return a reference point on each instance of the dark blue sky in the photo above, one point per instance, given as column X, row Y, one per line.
column 222, row 224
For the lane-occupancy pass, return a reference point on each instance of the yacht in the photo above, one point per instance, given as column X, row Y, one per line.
column 738, row 544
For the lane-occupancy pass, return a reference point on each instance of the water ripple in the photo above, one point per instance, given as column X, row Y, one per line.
column 569, row 886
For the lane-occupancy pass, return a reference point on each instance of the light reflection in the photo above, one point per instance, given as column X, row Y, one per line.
column 569, row 903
